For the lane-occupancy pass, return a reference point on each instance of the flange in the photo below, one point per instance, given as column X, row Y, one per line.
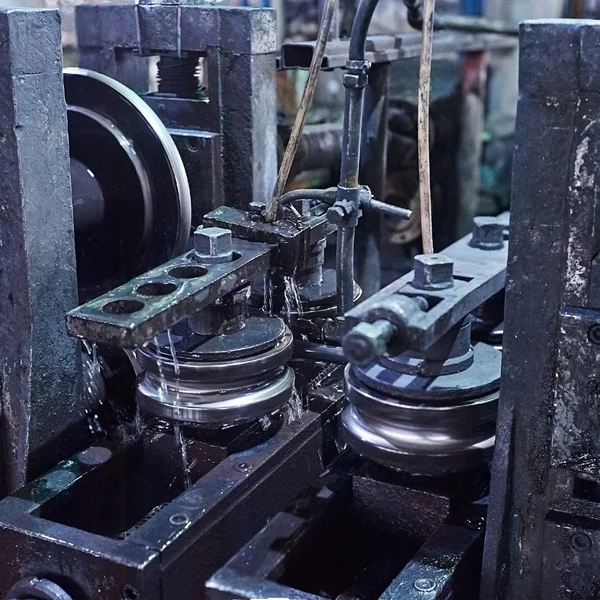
column 207, row 384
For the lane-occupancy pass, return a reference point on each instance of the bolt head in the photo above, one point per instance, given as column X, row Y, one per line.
column 352, row 80
column 364, row 344
column 212, row 244
column 424, row 584
column 487, row 234
column 336, row 214
column 594, row 333
column 433, row 272
column 256, row 208
column 581, row 542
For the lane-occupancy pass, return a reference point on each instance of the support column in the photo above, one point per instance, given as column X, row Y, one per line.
column 542, row 539
column 373, row 174
column 40, row 364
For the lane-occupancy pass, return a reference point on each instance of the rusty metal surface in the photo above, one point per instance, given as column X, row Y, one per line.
column 354, row 535
column 41, row 370
column 238, row 44
column 547, row 437
column 478, row 275
column 53, row 525
column 296, row 239
column 389, row 48
column 142, row 308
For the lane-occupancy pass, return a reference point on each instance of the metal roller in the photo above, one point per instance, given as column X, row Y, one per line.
column 131, row 196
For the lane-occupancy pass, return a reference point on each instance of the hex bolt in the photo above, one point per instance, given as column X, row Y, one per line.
column 487, row 234
column 337, row 213
column 433, row 272
column 212, row 245
column 367, row 342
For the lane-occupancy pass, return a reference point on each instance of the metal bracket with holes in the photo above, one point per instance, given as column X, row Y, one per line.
column 135, row 312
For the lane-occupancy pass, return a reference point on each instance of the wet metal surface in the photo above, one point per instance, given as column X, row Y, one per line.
column 136, row 312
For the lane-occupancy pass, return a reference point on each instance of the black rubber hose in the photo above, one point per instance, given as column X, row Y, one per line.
column 360, row 28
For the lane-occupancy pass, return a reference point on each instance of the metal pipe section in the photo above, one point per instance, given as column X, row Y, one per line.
column 360, row 28
column 319, row 352
column 329, row 196
column 459, row 22
column 345, row 269
column 348, row 193
column 353, row 112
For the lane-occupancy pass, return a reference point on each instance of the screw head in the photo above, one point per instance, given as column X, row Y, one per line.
column 213, row 245
column 487, row 234
column 433, row 272
column 424, row 584
column 179, row 519
column 580, row 542
column 594, row 333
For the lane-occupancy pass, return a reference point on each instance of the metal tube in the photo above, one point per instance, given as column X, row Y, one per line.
column 319, row 352
column 459, row 22
column 360, row 28
column 373, row 168
column 353, row 111
column 326, row 196
column 345, row 269
column 389, row 209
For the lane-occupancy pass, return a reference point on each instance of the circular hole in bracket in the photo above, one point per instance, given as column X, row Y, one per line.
column 156, row 288
column 126, row 306
column 188, row 272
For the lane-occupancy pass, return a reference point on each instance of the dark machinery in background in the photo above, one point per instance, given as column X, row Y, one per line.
column 242, row 427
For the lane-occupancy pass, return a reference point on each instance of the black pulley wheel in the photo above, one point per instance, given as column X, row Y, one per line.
column 131, row 197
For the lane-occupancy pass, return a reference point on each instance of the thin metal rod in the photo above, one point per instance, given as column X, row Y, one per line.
column 423, row 126
column 319, row 352
column 305, row 103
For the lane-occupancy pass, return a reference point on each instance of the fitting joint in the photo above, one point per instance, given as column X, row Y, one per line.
column 356, row 75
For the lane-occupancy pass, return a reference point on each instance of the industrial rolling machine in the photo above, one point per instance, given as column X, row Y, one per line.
column 270, row 435
column 222, row 442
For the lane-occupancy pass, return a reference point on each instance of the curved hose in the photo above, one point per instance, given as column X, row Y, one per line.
column 360, row 28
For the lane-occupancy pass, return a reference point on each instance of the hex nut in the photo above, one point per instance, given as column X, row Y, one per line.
column 367, row 342
column 213, row 245
column 487, row 234
column 352, row 80
column 433, row 272
column 336, row 214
